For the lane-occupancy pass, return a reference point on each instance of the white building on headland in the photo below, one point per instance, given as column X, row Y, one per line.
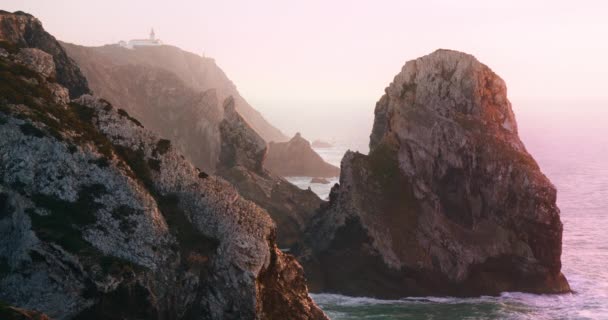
column 152, row 41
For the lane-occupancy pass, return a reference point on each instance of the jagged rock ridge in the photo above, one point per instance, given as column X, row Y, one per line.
column 448, row 201
column 99, row 218
column 242, row 158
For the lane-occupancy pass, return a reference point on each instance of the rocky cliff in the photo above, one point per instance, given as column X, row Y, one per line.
column 448, row 201
column 179, row 95
column 297, row 158
column 242, row 157
column 22, row 30
column 172, row 92
column 101, row 219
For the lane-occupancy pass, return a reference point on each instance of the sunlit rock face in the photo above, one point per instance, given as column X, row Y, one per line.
column 297, row 158
column 23, row 30
column 448, row 201
column 175, row 93
column 242, row 158
column 101, row 219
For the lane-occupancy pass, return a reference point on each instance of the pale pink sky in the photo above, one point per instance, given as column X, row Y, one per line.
column 311, row 54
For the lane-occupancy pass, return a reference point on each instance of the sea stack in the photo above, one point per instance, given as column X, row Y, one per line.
column 448, row 201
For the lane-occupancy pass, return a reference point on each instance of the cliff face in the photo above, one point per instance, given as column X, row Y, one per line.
column 448, row 201
column 179, row 95
column 297, row 158
column 170, row 91
column 101, row 219
column 242, row 158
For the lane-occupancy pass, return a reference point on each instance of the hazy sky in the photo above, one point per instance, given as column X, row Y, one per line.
column 316, row 54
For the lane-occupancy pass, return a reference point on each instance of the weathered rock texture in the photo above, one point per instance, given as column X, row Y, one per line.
column 101, row 219
column 448, row 201
column 22, row 30
column 297, row 158
column 172, row 92
column 241, row 162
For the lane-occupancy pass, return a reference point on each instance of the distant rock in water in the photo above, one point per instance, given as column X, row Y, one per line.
column 321, row 144
column 173, row 92
column 319, row 180
column 296, row 158
column 448, row 201
column 242, row 163
column 101, row 219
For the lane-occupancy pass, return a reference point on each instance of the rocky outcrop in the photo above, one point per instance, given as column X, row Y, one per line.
column 448, row 201
column 21, row 30
column 172, row 92
column 241, row 162
column 297, row 158
column 101, row 219
column 241, row 145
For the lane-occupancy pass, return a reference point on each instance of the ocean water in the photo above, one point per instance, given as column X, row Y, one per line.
column 331, row 155
column 572, row 150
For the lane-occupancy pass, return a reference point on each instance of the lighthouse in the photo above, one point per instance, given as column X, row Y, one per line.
column 150, row 42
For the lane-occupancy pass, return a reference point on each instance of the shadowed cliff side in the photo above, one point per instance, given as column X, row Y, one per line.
column 448, row 201
column 242, row 158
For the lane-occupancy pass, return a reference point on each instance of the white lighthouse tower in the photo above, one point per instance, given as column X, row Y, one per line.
column 150, row 42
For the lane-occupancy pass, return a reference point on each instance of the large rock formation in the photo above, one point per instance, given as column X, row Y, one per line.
column 448, row 201
column 173, row 92
column 297, row 158
column 101, row 219
column 242, row 163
